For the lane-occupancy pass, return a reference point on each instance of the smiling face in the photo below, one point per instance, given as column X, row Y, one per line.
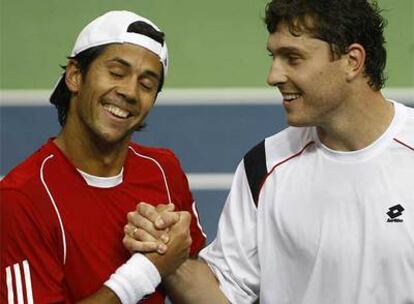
column 112, row 99
column 312, row 83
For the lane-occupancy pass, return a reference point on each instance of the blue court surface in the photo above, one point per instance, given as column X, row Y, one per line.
column 208, row 137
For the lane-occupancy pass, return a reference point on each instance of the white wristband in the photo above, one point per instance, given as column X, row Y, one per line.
column 134, row 280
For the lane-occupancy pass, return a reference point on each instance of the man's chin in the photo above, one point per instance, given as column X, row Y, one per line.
column 110, row 138
column 297, row 123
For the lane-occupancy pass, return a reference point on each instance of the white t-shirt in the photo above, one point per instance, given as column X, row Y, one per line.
column 306, row 224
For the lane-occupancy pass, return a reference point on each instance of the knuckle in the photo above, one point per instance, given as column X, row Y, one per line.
column 161, row 207
column 140, row 234
column 142, row 205
column 129, row 215
column 168, row 218
column 124, row 240
column 141, row 209
column 171, row 206
column 127, row 243
column 144, row 208
column 157, row 233
column 186, row 216
column 132, row 218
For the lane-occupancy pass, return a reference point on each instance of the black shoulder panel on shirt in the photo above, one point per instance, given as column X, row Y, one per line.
column 255, row 167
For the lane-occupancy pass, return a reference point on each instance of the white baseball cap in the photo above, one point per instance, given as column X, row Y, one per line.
column 113, row 27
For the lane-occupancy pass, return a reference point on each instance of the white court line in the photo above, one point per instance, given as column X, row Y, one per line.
column 207, row 181
column 212, row 96
column 210, row 181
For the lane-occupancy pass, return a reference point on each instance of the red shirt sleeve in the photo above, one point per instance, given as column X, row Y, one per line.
column 31, row 263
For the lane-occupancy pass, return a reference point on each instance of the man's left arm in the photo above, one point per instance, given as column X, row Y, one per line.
column 194, row 282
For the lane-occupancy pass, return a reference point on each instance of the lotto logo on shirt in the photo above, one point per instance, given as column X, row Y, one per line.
column 395, row 212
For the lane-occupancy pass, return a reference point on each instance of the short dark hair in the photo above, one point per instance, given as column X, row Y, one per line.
column 340, row 23
column 61, row 96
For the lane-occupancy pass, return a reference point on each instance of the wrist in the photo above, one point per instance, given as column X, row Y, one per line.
column 135, row 279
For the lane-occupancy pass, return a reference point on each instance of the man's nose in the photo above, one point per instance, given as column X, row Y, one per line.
column 128, row 89
column 277, row 73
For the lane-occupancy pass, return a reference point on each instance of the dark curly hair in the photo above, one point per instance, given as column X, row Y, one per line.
column 61, row 95
column 340, row 23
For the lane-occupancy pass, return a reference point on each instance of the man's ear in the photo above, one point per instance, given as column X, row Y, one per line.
column 355, row 61
column 73, row 76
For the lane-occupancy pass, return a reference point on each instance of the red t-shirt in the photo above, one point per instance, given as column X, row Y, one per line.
column 61, row 239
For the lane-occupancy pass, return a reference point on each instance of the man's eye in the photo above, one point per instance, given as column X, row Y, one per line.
column 116, row 74
column 147, row 84
column 293, row 59
column 296, row 57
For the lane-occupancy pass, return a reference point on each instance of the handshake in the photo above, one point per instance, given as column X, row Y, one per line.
column 161, row 234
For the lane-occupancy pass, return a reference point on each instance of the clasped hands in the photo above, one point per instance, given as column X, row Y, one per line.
column 160, row 233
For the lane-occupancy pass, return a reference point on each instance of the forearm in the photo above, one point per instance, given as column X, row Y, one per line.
column 194, row 282
column 131, row 282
